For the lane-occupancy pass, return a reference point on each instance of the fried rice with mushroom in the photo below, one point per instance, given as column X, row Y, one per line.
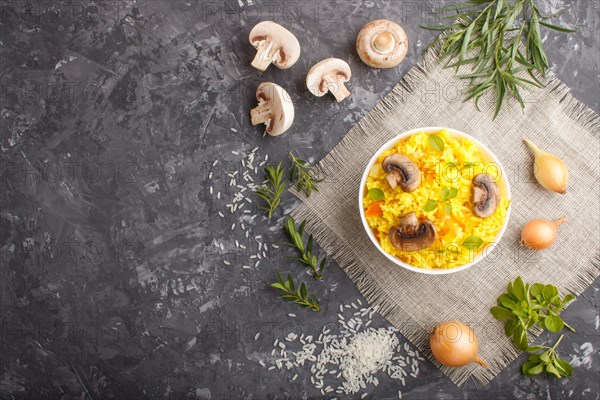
column 460, row 234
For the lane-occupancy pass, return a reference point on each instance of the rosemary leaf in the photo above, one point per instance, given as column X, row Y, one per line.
column 271, row 194
column 301, row 173
column 306, row 257
column 295, row 293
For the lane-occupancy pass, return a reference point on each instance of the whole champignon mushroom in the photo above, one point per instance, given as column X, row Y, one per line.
column 275, row 108
column 412, row 235
column 274, row 44
column 401, row 171
column 382, row 44
column 486, row 195
column 329, row 76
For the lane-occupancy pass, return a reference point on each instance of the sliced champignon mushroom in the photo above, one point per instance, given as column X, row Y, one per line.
column 382, row 44
column 275, row 109
column 486, row 195
column 274, row 44
column 329, row 76
column 401, row 171
column 412, row 235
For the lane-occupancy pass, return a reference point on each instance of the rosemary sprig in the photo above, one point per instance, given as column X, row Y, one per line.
column 301, row 173
column 272, row 195
column 306, row 252
column 296, row 295
column 492, row 30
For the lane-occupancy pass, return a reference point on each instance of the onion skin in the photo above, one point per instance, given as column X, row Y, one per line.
column 550, row 171
column 454, row 344
column 540, row 234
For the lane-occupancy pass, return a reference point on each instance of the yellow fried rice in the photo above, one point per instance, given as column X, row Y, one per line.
column 455, row 166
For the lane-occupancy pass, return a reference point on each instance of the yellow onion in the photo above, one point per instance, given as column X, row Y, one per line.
column 550, row 171
column 540, row 234
column 454, row 344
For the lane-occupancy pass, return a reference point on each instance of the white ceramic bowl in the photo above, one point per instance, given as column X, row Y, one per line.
column 487, row 155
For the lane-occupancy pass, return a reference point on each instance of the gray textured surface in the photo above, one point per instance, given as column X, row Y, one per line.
column 112, row 115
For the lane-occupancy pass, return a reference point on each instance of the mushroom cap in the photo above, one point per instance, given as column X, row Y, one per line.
column 285, row 42
column 334, row 67
column 412, row 235
column 486, row 195
column 282, row 107
column 382, row 44
column 401, row 171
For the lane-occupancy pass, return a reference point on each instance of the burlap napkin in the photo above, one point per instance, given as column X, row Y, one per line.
column 431, row 96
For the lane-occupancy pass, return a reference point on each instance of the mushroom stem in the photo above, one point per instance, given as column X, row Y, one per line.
column 384, row 42
column 261, row 114
column 264, row 55
column 336, row 87
column 412, row 235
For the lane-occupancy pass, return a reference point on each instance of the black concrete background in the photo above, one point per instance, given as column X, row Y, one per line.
column 112, row 115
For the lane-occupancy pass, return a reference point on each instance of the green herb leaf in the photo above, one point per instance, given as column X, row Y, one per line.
column 436, row 142
column 302, row 174
column 486, row 39
column 445, row 193
column 510, row 327
column 288, row 292
column 431, row 205
column 536, row 289
column 534, row 369
column 520, row 338
column 549, row 291
column 271, row 194
column 307, row 258
column 557, row 28
column 522, row 307
column 545, row 357
column 519, row 289
column 553, row 323
column 453, row 193
column 448, row 208
column 563, row 367
column 551, row 369
column 501, row 313
column 376, row 194
column 473, row 243
column 534, row 349
column 568, row 298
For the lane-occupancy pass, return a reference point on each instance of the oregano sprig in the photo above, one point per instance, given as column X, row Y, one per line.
column 294, row 293
column 546, row 359
column 306, row 257
column 524, row 305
